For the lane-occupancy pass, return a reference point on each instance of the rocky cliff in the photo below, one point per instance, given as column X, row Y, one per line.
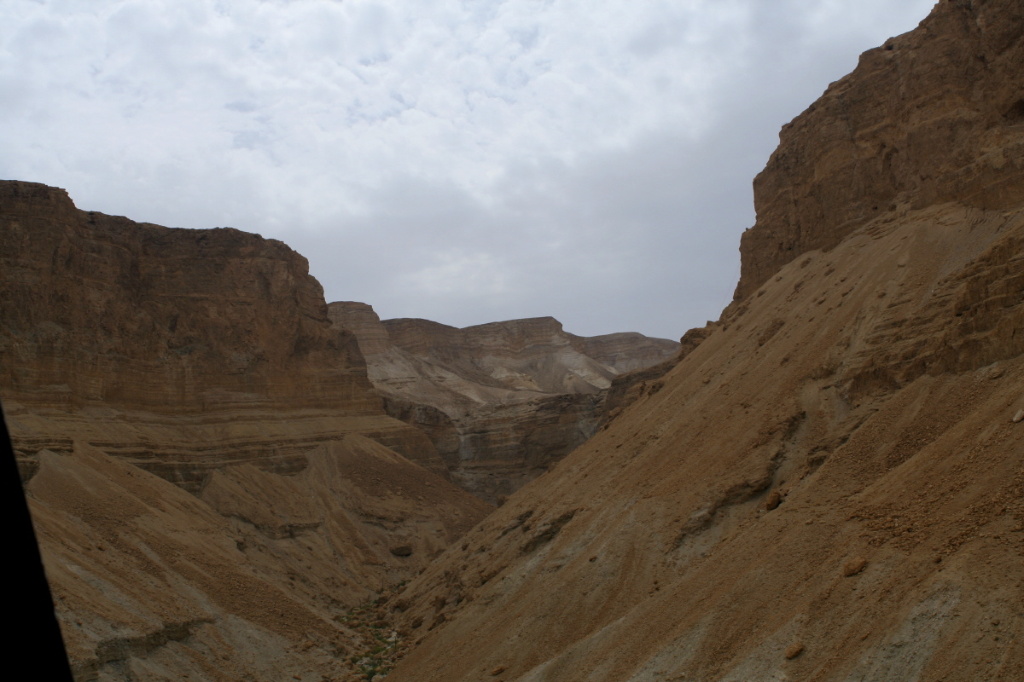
column 931, row 116
column 503, row 401
column 829, row 485
column 209, row 468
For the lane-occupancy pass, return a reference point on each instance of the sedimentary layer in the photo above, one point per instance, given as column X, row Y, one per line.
column 933, row 115
column 215, row 482
column 829, row 485
column 503, row 401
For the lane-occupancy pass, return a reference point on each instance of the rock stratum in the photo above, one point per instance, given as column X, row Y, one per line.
column 502, row 402
column 215, row 484
column 830, row 484
column 929, row 117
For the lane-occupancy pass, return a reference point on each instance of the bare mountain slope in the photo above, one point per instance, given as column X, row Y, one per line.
column 830, row 486
column 209, row 469
column 502, row 401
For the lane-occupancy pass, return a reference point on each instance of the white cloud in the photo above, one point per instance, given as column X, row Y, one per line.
column 464, row 162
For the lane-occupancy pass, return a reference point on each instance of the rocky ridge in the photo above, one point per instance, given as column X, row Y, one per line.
column 504, row 401
column 828, row 486
column 930, row 116
column 214, row 481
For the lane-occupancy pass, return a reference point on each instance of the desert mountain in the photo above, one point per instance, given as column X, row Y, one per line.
column 503, row 401
column 214, row 481
column 830, row 484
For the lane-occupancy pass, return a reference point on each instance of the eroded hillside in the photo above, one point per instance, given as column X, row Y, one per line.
column 503, row 401
column 830, row 485
column 214, row 481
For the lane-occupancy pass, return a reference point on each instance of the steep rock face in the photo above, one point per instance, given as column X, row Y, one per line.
column 206, row 358
column 520, row 355
column 828, row 486
column 934, row 115
column 501, row 401
column 101, row 314
column 116, row 313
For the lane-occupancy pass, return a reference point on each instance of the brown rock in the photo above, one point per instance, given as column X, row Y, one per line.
column 794, row 650
column 502, row 402
column 932, row 116
column 869, row 406
column 204, row 357
column 854, row 566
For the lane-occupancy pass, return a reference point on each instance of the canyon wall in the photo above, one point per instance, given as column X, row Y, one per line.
column 213, row 478
column 503, row 401
column 829, row 484
column 930, row 116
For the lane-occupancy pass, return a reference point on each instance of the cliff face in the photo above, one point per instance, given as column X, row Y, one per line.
column 828, row 485
column 933, row 115
column 101, row 310
column 139, row 364
column 502, row 402
column 100, row 313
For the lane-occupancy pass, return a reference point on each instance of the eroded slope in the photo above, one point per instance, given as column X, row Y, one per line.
column 713, row 525
column 208, row 467
column 503, row 401
column 830, row 486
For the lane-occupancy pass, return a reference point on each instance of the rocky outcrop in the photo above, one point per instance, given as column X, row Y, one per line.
column 934, row 115
column 626, row 352
column 211, row 474
column 101, row 310
column 502, row 402
column 828, row 485
column 517, row 355
column 102, row 317
column 627, row 388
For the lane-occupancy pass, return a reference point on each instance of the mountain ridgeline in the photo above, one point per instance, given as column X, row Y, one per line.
column 829, row 485
column 501, row 402
column 232, row 479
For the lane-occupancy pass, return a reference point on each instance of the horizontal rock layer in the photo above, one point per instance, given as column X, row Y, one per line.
column 205, row 357
column 932, row 116
column 502, row 401
column 828, row 485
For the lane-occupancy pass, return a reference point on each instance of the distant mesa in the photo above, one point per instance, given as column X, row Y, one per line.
column 502, row 402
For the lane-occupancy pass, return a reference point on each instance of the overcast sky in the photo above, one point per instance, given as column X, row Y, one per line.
column 464, row 162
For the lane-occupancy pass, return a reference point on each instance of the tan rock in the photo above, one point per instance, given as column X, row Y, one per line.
column 854, row 566
column 932, row 116
column 866, row 402
column 204, row 357
column 502, row 402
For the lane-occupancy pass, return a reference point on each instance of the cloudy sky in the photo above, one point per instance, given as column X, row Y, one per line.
column 463, row 161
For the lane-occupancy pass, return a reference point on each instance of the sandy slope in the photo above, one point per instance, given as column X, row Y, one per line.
column 830, row 486
column 650, row 553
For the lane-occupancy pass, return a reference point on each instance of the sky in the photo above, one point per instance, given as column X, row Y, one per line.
column 459, row 161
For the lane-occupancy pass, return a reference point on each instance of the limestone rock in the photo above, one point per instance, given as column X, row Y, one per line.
column 856, row 379
column 503, row 401
column 177, row 349
column 213, row 478
column 935, row 115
